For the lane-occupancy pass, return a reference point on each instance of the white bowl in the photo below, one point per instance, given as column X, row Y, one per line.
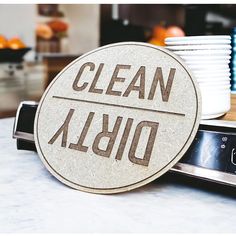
column 206, row 62
column 198, row 38
column 208, row 66
column 202, row 52
column 206, row 73
column 212, row 70
column 197, row 42
column 214, row 82
column 214, row 86
column 215, row 104
column 199, row 47
column 215, row 91
column 210, row 88
column 213, row 79
column 212, row 75
column 206, row 58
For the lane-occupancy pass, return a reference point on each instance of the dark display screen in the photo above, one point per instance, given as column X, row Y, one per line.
column 213, row 150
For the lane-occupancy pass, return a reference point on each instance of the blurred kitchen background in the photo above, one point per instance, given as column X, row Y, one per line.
column 37, row 41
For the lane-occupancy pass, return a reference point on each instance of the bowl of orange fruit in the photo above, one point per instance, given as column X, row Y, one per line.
column 12, row 50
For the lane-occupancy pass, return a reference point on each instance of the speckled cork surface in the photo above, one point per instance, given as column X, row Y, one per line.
column 117, row 118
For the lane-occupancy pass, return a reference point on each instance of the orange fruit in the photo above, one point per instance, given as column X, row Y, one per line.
column 159, row 32
column 15, row 43
column 156, row 42
column 174, row 31
column 3, row 42
column 58, row 26
column 44, row 31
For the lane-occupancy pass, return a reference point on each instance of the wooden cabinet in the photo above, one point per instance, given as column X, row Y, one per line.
column 54, row 64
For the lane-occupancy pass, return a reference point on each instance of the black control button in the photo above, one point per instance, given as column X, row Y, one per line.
column 233, row 156
column 231, row 168
column 26, row 118
column 25, row 123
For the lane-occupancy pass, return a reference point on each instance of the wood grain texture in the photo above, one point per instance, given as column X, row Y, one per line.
column 231, row 115
column 54, row 64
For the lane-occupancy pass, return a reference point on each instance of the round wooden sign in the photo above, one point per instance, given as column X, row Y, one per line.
column 117, row 118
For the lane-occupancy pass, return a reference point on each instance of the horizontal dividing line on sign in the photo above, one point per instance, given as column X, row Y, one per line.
column 122, row 106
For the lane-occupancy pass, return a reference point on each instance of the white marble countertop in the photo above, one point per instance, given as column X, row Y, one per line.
column 31, row 200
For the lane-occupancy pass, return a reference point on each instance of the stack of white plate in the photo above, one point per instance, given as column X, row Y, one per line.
column 208, row 58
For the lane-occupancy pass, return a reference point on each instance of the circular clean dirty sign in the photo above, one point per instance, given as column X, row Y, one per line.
column 117, row 118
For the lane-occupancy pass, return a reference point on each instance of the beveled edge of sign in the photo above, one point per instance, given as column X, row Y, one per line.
column 148, row 179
